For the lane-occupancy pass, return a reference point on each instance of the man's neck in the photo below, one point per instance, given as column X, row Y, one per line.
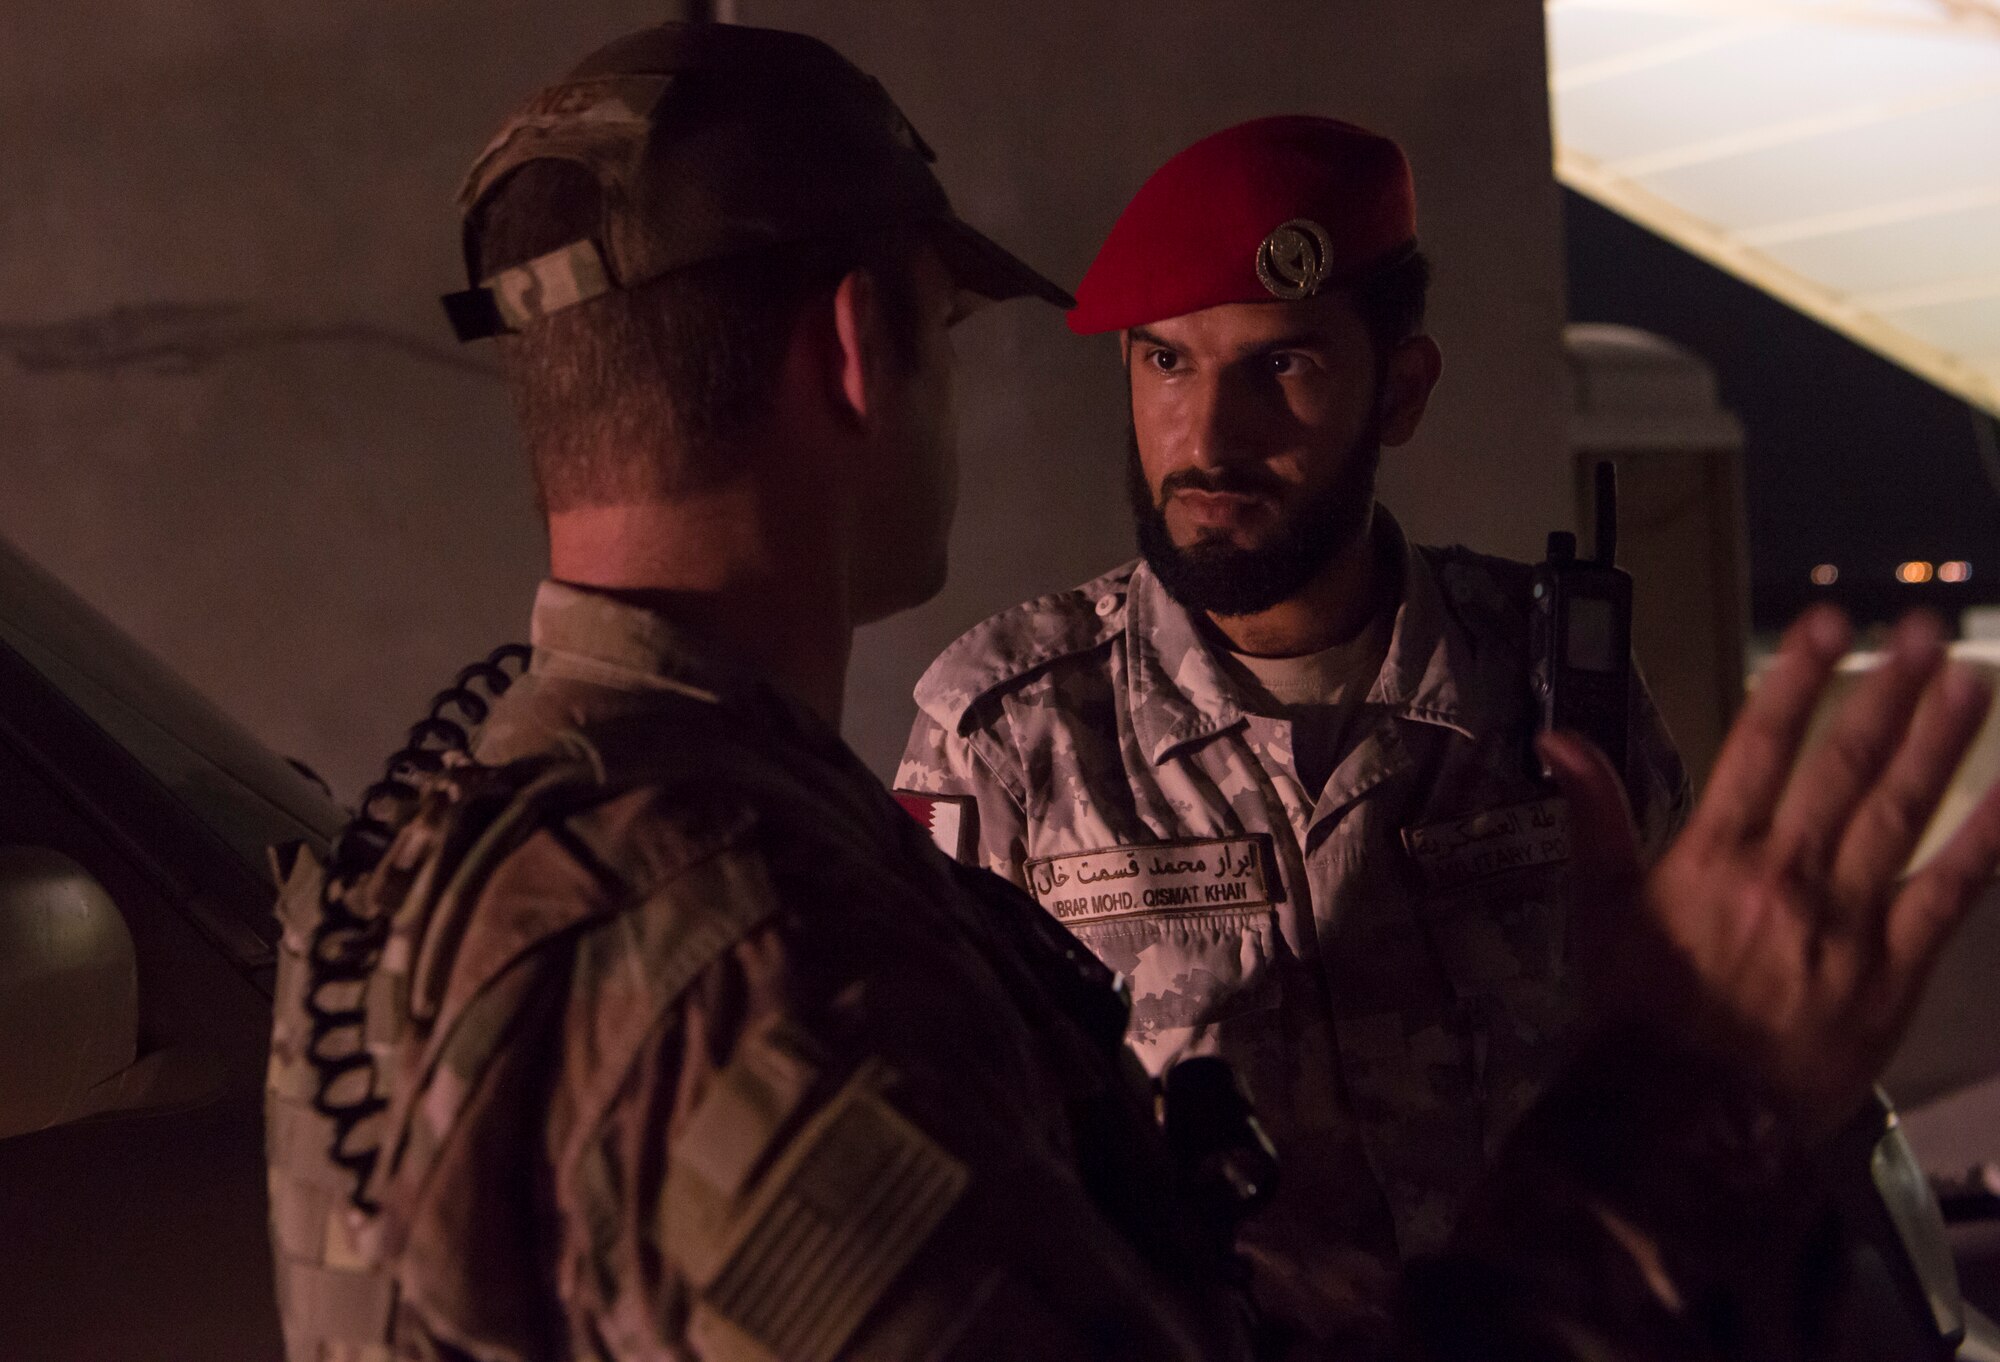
column 1332, row 608
column 706, row 565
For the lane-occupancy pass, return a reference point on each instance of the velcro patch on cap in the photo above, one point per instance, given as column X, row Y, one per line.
column 609, row 109
column 1204, row 875
column 846, row 1208
column 951, row 820
column 1461, row 851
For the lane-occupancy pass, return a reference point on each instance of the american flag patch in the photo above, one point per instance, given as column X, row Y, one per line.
column 949, row 819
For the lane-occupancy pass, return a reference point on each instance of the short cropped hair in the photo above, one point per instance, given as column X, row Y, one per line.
column 1391, row 300
column 635, row 395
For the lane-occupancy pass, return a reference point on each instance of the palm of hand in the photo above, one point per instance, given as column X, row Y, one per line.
column 1776, row 931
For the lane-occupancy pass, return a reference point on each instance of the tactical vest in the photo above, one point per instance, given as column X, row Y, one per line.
column 336, row 1287
column 337, row 1263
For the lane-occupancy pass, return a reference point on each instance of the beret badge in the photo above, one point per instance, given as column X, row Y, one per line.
column 1295, row 259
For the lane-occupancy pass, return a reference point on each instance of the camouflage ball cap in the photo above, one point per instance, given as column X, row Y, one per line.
column 711, row 141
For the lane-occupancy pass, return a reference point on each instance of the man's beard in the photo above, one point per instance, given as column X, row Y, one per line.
column 1214, row 576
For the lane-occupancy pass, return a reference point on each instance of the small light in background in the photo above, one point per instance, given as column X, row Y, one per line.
column 1955, row 572
column 1826, row 574
column 1913, row 573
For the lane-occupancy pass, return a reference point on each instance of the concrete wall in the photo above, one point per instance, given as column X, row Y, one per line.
column 1047, row 116
column 231, row 416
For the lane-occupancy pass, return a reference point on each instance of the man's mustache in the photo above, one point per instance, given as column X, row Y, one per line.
column 1243, row 480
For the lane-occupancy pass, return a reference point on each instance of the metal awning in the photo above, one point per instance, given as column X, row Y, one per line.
column 1843, row 155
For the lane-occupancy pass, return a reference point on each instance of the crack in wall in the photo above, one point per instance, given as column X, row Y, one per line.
column 187, row 338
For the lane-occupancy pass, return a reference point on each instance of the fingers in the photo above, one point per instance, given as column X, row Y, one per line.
column 1757, row 755
column 1842, row 768
column 1932, row 905
column 1893, row 816
column 1604, row 846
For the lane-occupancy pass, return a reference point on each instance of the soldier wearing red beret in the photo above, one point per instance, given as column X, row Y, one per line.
column 643, row 1025
column 1275, row 771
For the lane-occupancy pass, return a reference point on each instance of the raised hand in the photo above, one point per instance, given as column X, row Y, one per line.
column 1777, row 929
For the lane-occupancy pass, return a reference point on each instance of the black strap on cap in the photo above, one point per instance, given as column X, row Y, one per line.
column 473, row 314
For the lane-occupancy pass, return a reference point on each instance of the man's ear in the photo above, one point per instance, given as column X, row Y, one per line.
column 863, row 358
column 1413, row 369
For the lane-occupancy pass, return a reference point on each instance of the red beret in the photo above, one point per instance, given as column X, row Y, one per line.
column 1273, row 208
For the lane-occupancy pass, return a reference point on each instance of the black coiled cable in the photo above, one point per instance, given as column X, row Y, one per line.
column 347, row 943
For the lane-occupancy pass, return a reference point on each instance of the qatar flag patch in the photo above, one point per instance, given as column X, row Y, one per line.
column 949, row 819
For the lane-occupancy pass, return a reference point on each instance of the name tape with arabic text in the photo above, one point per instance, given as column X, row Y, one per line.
column 1212, row 875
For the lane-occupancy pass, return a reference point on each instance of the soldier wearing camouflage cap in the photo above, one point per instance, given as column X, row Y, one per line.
column 650, row 1028
column 657, row 1030
column 1276, row 773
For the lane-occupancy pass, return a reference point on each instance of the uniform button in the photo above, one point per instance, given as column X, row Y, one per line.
column 1106, row 604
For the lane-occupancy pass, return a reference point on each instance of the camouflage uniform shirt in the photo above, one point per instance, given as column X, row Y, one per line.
column 693, row 1046
column 1381, row 959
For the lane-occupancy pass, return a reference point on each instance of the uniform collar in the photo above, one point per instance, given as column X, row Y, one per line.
column 589, row 636
column 1178, row 693
column 596, row 657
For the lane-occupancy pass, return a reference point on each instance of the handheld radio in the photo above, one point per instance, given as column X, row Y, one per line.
column 1580, row 634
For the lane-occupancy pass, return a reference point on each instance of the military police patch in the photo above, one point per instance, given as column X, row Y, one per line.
column 1491, row 842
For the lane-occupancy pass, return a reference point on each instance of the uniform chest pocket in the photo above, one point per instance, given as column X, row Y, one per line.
column 1508, row 934
column 1490, row 888
column 1189, row 924
column 1189, row 974
column 1501, row 947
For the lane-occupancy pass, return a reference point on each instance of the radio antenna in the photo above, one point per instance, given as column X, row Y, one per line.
column 1607, row 513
